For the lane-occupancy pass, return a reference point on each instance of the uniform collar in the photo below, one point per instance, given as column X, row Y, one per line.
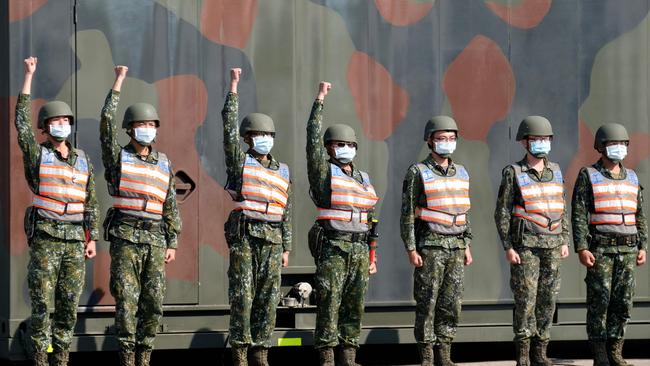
column 273, row 164
column 526, row 167
column 72, row 153
column 601, row 168
column 450, row 170
column 151, row 158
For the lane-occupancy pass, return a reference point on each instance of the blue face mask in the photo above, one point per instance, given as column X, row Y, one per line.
column 445, row 148
column 144, row 135
column 540, row 148
column 60, row 132
column 345, row 154
column 616, row 153
column 263, row 144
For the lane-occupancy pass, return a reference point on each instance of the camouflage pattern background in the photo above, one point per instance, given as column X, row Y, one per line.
column 393, row 65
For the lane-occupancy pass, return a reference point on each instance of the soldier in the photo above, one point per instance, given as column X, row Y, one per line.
column 345, row 199
column 258, row 230
column 143, row 225
column 61, row 226
column 610, row 234
column 531, row 221
column 436, row 234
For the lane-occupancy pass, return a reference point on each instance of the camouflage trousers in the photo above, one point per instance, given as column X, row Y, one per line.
column 56, row 267
column 535, row 285
column 610, row 288
column 438, row 289
column 341, row 284
column 253, row 290
column 138, row 286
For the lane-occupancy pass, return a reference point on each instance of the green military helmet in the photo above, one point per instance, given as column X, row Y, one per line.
column 610, row 132
column 140, row 112
column 340, row 132
column 54, row 109
column 439, row 123
column 258, row 122
column 534, row 126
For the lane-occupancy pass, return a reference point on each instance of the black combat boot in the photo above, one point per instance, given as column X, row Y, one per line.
column 142, row 357
column 522, row 348
column 40, row 359
column 348, row 355
column 615, row 352
column 426, row 354
column 443, row 354
column 127, row 358
column 259, row 356
column 599, row 351
column 60, row 358
column 538, row 353
column 240, row 356
column 326, row 356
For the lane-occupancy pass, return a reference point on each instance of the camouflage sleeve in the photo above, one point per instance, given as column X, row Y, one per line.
column 467, row 235
column 580, row 211
column 286, row 222
column 171, row 216
column 641, row 222
column 27, row 140
column 108, row 137
column 566, row 226
column 503, row 211
column 317, row 166
column 234, row 154
column 91, row 207
column 410, row 193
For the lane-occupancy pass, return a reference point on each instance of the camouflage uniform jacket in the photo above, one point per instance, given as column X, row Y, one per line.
column 583, row 203
column 235, row 166
column 111, row 150
column 31, row 160
column 415, row 232
column 510, row 195
column 318, row 169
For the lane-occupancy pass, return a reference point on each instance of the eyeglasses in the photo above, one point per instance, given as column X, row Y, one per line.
column 540, row 138
column 261, row 133
column 344, row 144
column 444, row 139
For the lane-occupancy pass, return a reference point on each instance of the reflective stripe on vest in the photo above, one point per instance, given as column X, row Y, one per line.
column 447, row 200
column 264, row 191
column 543, row 201
column 143, row 186
column 62, row 188
column 350, row 201
column 615, row 202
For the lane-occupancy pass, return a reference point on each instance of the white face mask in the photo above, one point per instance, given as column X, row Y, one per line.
column 263, row 144
column 540, row 148
column 60, row 132
column 345, row 154
column 144, row 135
column 616, row 153
column 445, row 148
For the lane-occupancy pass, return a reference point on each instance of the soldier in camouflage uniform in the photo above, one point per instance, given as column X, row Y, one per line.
column 345, row 199
column 610, row 235
column 436, row 233
column 143, row 225
column 61, row 226
column 531, row 221
column 258, row 230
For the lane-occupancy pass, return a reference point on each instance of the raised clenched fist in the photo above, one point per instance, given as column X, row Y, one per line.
column 235, row 73
column 120, row 71
column 30, row 64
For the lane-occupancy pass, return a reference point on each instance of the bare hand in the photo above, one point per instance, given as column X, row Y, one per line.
column 323, row 88
column 120, row 71
column 512, row 256
column 586, row 258
column 468, row 256
column 235, row 73
column 30, row 65
column 170, row 255
column 90, row 249
column 285, row 258
column 564, row 251
column 640, row 258
column 372, row 269
column 415, row 258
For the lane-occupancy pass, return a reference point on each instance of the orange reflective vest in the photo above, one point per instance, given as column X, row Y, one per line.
column 615, row 202
column 143, row 186
column 350, row 201
column 543, row 201
column 61, row 188
column 264, row 192
column 447, row 200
